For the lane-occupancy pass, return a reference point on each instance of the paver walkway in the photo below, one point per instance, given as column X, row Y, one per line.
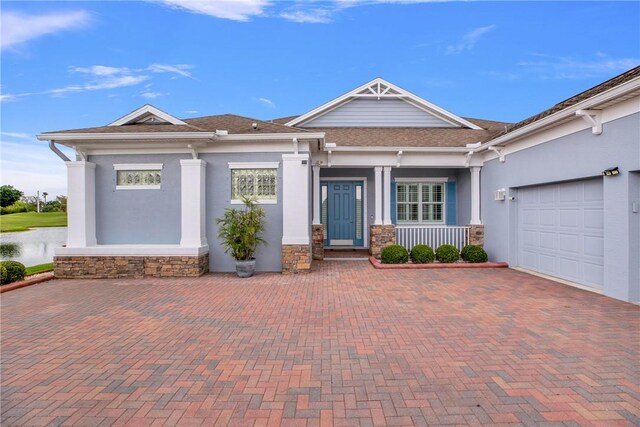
column 344, row 345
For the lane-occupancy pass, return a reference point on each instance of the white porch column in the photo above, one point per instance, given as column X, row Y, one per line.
column 316, row 195
column 193, row 226
column 475, row 195
column 295, row 199
column 81, row 204
column 387, row 195
column 378, row 196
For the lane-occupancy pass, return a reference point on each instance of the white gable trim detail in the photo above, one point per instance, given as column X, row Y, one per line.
column 147, row 110
column 380, row 88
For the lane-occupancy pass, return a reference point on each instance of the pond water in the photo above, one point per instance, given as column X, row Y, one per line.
column 32, row 247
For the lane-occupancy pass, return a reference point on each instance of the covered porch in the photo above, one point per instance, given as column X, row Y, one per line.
column 427, row 198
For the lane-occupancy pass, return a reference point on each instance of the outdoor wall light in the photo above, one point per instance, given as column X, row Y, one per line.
column 611, row 171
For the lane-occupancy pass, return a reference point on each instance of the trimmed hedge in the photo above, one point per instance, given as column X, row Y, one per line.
column 394, row 254
column 447, row 253
column 11, row 271
column 474, row 254
column 422, row 254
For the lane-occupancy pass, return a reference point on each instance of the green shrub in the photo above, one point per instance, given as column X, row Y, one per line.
column 474, row 254
column 3, row 274
column 447, row 253
column 15, row 271
column 394, row 254
column 422, row 254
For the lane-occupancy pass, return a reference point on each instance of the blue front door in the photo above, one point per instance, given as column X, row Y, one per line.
column 343, row 213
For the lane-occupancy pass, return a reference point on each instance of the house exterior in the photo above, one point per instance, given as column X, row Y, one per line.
column 375, row 166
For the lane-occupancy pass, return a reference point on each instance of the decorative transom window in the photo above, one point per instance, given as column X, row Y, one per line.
column 260, row 182
column 138, row 176
column 420, row 202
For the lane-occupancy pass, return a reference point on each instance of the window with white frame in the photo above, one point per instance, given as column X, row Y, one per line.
column 259, row 180
column 146, row 176
column 420, row 202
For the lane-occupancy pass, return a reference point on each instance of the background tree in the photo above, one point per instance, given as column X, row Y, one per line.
column 44, row 196
column 9, row 195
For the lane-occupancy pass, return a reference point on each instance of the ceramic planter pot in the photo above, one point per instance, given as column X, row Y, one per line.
column 246, row 268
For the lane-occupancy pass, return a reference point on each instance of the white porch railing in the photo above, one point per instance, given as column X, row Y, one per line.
column 434, row 236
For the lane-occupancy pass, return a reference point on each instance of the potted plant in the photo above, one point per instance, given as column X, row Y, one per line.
column 239, row 230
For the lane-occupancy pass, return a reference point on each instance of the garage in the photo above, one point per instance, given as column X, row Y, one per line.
column 561, row 230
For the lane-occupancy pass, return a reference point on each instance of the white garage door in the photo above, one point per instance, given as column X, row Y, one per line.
column 560, row 230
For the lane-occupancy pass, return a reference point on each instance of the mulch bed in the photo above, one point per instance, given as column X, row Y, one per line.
column 377, row 264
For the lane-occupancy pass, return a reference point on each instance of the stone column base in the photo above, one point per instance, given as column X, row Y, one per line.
column 317, row 236
column 476, row 234
column 129, row 267
column 296, row 259
column 381, row 236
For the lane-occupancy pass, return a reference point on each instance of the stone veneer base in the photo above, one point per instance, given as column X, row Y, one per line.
column 296, row 259
column 381, row 236
column 476, row 234
column 317, row 237
column 121, row 267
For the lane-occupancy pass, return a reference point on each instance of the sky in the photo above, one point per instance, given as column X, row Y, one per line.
column 68, row 64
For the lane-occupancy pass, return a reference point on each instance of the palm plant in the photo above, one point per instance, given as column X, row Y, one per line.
column 240, row 229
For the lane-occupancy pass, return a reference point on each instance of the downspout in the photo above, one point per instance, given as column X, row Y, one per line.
column 52, row 146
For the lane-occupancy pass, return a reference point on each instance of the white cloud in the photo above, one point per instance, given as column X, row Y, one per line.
column 31, row 166
column 267, row 102
column 191, row 111
column 102, row 77
column 469, row 40
column 568, row 67
column 19, row 28
column 100, row 70
column 235, row 10
column 151, row 95
column 180, row 69
column 312, row 16
column 19, row 135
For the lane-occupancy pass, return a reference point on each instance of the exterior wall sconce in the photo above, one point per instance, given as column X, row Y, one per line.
column 611, row 171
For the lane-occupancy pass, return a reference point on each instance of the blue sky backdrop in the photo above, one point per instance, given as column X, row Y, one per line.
column 81, row 64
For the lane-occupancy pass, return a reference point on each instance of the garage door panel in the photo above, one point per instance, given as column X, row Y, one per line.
column 593, row 246
column 546, row 263
column 568, row 243
column 548, row 240
column 568, row 193
column 548, row 217
column 561, row 230
column 593, row 191
column 594, row 218
column 568, row 217
column 529, row 217
column 593, row 274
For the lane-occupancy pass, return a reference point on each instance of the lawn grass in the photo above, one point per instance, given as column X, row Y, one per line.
column 40, row 268
column 25, row 220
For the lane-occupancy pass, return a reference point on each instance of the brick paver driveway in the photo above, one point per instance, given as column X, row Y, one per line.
column 346, row 344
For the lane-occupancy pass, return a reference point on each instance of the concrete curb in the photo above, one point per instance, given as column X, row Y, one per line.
column 27, row 282
column 381, row 266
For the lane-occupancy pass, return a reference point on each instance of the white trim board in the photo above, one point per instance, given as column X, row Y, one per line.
column 137, row 166
column 147, row 110
column 132, row 250
column 434, row 179
column 254, row 165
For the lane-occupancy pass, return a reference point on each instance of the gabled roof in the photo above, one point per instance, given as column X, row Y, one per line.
column 380, row 88
column 413, row 137
column 582, row 96
column 232, row 123
column 147, row 114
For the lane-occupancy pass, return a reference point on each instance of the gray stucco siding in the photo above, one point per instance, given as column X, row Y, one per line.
column 372, row 112
column 137, row 216
column 218, row 190
column 577, row 156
